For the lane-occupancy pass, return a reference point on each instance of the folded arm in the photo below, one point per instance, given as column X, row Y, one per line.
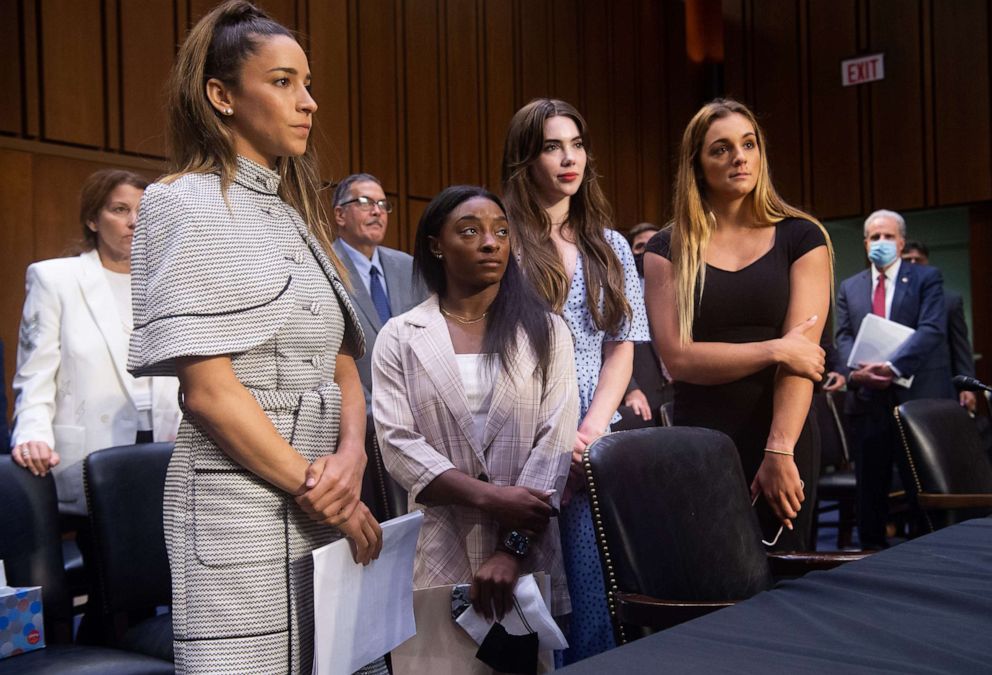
column 778, row 478
column 711, row 363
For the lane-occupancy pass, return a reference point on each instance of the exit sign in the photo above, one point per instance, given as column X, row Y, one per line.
column 862, row 69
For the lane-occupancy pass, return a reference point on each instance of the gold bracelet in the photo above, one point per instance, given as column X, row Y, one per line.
column 787, row 453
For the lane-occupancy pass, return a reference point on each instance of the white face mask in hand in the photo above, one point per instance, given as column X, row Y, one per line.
column 778, row 534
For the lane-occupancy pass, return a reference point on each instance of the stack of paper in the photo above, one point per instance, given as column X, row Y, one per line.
column 878, row 341
column 363, row 612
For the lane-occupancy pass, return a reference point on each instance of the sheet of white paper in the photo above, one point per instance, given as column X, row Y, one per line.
column 531, row 604
column 362, row 612
column 877, row 341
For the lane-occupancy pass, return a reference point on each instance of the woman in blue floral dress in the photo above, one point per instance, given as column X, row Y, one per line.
column 586, row 272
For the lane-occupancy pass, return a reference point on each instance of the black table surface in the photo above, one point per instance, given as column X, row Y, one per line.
column 924, row 606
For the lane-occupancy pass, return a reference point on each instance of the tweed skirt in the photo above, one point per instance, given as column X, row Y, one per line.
column 240, row 548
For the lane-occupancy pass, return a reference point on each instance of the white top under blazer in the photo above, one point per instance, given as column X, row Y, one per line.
column 72, row 387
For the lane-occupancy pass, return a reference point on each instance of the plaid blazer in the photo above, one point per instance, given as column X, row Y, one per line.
column 425, row 428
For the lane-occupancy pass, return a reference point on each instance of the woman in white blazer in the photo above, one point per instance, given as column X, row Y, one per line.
column 73, row 392
column 476, row 404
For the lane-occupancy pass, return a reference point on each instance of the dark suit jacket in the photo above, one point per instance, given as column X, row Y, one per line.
column 962, row 359
column 918, row 303
column 4, row 429
column 405, row 292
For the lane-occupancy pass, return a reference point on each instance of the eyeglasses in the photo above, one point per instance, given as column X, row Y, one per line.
column 366, row 204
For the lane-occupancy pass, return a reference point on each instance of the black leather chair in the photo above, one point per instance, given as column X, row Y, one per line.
column 651, row 381
column 31, row 549
column 383, row 495
column 951, row 475
column 837, row 483
column 676, row 531
column 124, row 489
column 983, row 420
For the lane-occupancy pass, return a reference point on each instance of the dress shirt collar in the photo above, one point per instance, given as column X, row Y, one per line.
column 364, row 265
column 254, row 176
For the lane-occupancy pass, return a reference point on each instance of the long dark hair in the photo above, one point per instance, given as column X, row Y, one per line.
column 517, row 304
column 198, row 137
column 589, row 215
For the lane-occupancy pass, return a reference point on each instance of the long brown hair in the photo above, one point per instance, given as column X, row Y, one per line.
column 694, row 222
column 589, row 215
column 199, row 139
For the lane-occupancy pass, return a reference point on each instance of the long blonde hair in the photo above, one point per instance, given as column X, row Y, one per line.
column 589, row 215
column 694, row 223
column 198, row 138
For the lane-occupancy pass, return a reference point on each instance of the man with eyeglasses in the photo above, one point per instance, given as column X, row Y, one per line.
column 382, row 281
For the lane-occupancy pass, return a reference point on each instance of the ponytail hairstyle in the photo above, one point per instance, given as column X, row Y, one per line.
column 198, row 138
column 517, row 305
column 589, row 215
column 694, row 223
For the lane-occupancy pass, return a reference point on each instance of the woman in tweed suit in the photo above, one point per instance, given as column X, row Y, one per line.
column 475, row 405
column 236, row 291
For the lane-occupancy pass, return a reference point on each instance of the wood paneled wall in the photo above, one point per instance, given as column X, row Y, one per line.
column 420, row 92
column 920, row 138
column 417, row 92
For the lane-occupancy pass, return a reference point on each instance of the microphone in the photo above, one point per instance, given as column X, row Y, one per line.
column 965, row 383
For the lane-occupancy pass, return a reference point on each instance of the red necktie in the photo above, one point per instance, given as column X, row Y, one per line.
column 878, row 302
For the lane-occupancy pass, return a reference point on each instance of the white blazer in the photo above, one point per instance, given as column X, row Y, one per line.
column 72, row 387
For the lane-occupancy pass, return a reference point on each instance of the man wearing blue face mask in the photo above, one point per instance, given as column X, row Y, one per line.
column 909, row 294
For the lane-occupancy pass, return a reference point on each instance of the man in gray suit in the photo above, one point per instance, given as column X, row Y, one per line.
column 962, row 360
column 382, row 281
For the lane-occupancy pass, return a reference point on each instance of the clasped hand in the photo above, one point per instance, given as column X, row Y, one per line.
column 873, row 375
column 332, row 495
column 521, row 508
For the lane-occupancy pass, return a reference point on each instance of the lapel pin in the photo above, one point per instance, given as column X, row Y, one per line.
column 905, row 280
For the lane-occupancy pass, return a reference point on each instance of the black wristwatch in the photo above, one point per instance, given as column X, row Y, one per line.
column 516, row 544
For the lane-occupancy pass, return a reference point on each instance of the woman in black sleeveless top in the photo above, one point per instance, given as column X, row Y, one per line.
column 737, row 292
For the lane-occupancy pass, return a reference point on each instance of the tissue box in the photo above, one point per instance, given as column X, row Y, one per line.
column 22, row 628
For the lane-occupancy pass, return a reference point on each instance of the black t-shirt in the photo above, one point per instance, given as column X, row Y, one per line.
column 748, row 305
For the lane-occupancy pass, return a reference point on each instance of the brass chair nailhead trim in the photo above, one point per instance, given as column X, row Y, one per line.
column 612, row 590
column 912, row 465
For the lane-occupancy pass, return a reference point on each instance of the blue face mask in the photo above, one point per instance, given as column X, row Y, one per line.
column 882, row 252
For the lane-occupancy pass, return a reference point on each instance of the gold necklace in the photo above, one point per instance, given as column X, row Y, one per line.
column 461, row 319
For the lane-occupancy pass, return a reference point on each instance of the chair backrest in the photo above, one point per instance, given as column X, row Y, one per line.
column 30, row 542
column 833, row 444
column 125, row 487
column 673, row 516
column 383, row 495
column 667, row 412
column 943, row 449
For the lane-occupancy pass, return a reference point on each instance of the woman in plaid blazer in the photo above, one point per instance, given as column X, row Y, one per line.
column 475, row 405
